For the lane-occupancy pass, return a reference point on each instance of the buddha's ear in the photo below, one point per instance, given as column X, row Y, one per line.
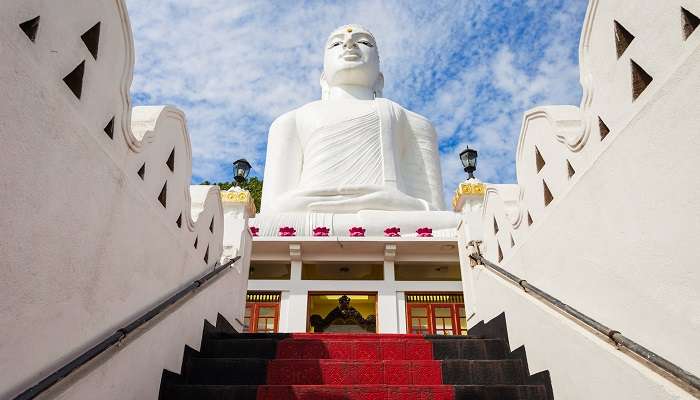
column 378, row 87
column 325, row 90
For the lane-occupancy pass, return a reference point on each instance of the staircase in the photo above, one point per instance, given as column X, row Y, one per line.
column 355, row 367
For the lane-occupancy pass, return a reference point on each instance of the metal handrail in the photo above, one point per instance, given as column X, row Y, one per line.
column 119, row 335
column 617, row 338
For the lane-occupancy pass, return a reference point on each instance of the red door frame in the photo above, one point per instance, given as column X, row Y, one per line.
column 255, row 314
column 457, row 327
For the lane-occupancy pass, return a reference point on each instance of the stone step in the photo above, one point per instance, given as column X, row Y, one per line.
column 413, row 348
column 239, row 348
column 459, row 392
column 225, row 371
column 343, row 372
column 483, row 372
column 481, row 349
column 355, row 392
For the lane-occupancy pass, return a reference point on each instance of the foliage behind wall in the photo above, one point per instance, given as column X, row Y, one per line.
column 253, row 185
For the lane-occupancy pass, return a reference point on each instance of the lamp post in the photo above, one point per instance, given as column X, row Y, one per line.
column 468, row 157
column 241, row 168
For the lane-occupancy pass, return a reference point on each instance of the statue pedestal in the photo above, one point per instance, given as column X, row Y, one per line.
column 443, row 223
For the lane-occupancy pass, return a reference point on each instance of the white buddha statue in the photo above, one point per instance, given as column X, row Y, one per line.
column 352, row 152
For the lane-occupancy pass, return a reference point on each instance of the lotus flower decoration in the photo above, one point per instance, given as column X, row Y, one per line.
column 357, row 231
column 321, row 231
column 254, row 230
column 424, row 232
column 287, row 231
column 392, row 232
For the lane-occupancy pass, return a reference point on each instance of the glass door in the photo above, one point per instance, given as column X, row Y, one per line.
column 418, row 319
column 436, row 314
column 443, row 319
column 262, row 312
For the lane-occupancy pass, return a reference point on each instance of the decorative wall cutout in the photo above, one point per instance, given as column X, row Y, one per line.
column 623, row 38
column 690, row 22
column 512, row 242
column 109, row 128
column 603, row 128
column 196, row 241
column 74, row 80
column 539, row 161
column 91, row 38
column 570, row 169
column 500, row 253
column 179, row 221
column 30, row 28
column 162, row 197
column 142, row 171
column 171, row 161
column 206, row 255
column 495, row 226
column 547, row 194
column 640, row 80
column 211, row 225
column 529, row 219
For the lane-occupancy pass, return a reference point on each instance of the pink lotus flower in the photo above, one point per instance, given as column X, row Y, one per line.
column 357, row 231
column 287, row 231
column 321, row 231
column 254, row 230
column 424, row 232
column 394, row 231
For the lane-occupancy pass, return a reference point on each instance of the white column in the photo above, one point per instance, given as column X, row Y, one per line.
column 298, row 295
column 401, row 309
column 386, row 310
column 283, row 324
column 387, row 321
column 297, row 310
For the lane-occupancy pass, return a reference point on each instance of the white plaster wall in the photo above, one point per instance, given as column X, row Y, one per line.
column 581, row 365
column 619, row 240
column 86, row 245
column 160, row 346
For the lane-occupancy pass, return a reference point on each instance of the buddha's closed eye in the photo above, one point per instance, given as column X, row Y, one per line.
column 366, row 43
column 334, row 44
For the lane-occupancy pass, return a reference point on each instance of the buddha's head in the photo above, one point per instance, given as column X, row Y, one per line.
column 351, row 58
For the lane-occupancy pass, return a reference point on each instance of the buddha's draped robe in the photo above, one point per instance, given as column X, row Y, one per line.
column 347, row 153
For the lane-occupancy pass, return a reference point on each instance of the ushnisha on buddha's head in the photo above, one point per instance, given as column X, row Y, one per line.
column 351, row 58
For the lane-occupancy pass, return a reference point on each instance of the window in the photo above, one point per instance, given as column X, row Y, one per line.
column 261, row 312
column 270, row 270
column 436, row 314
column 427, row 271
column 342, row 271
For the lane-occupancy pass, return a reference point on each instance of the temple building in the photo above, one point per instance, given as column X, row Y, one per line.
column 352, row 206
column 121, row 280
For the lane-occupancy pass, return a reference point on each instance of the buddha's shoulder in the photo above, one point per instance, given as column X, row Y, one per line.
column 413, row 117
column 297, row 113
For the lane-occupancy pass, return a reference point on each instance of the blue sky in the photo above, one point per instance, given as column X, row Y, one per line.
column 472, row 67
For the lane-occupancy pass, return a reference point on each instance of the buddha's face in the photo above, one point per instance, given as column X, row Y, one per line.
column 351, row 57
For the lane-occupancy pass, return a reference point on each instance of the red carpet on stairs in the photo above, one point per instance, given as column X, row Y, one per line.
column 354, row 367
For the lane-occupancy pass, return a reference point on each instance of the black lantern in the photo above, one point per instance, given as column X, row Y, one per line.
column 468, row 157
column 241, row 168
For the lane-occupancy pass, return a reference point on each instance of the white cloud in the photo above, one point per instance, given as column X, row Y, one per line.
column 469, row 66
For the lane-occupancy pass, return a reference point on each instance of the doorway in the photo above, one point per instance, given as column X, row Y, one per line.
column 323, row 312
column 262, row 312
column 436, row 314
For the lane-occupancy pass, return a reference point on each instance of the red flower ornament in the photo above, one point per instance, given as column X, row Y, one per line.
column 254, row 230
column 392, row 232
column 287, row 231
column 424, row 232
column 321, row 231
column 357, row 231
